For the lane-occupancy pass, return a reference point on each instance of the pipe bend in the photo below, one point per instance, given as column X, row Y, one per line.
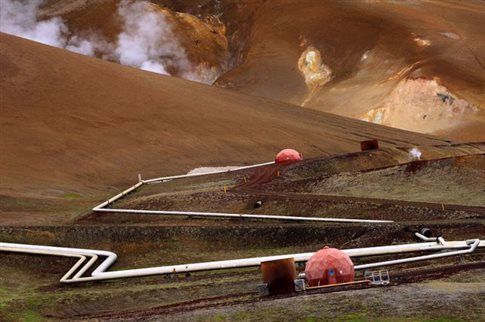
column 474, row 245
column 424, row 238
column 101, row 273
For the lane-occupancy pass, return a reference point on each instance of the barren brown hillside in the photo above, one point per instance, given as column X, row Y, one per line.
column 123, row 123
column 417, row 65
column 200, row 41
column 70, row 122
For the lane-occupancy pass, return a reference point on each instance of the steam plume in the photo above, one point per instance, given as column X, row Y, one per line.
column 415, row 154
column 147, row 40
column 20, row 19
column 141, row 44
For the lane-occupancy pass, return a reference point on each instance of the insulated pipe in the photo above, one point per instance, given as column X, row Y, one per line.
column 441, row 240
column 101, row 207
column 100, row 272
column 118, row 196
column 207, row 173
column 244, row 216
column 62, row 251
column 424, row 238
column 473, row 245
column 83, row 270
column 182, row 176
column 438, row 239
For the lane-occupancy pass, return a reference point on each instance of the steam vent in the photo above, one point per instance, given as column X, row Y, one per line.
column 329, row 266
column 288, row 155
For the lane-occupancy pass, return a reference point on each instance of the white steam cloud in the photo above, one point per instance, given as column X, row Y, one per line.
column 91, row 45
column 415, row 154
column 20, row 19
column 141, row 44
column 147, row 40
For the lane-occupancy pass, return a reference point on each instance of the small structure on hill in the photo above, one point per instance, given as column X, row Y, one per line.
column 288, row 155
column 329, row 266
column 369, row 145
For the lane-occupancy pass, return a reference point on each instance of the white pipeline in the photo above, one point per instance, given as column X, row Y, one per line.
column 102, row 207
column 243, row 216
column 473, row 244
column 100, row 273
column 191, row 175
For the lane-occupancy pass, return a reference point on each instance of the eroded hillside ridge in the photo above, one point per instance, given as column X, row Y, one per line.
column 421, row 105
column 414, row 65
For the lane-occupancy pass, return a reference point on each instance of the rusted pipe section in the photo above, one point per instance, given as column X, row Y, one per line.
column 279, row 275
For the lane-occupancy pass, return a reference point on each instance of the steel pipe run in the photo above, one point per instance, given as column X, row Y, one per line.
column 191, row 175
column 100, row 272
column 473, row 244
column 102, row 207
column 424, row 238
column 169, row 178
column 243, row 216
column 439, row 239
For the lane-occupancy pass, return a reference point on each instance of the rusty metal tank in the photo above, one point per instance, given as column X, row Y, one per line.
column 279, row 275
column 329, row 266
column 369, row 145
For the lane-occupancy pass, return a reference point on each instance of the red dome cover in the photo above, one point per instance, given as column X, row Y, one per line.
column 288, row 155
column 329, row 266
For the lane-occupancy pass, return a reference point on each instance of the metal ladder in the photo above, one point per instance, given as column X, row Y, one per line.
column 380, row 277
